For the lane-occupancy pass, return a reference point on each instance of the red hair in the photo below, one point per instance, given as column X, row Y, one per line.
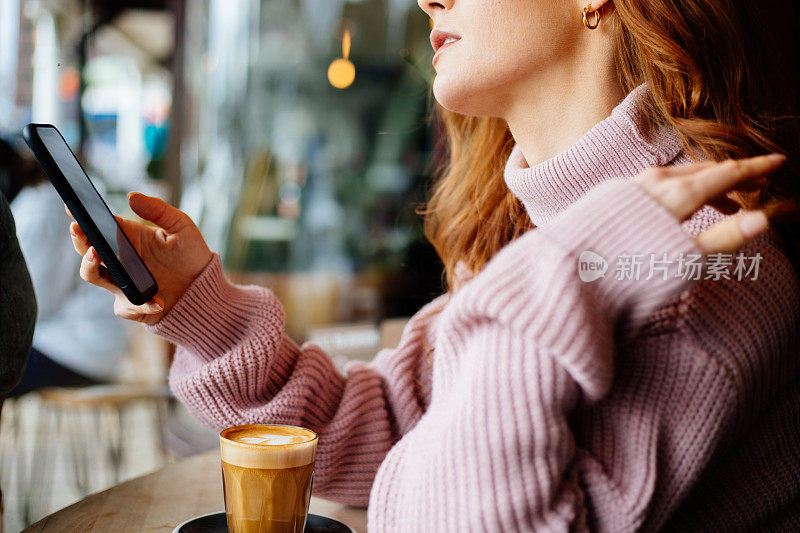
column 724, row 91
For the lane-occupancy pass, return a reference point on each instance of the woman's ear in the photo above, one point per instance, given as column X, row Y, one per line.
column 602, row 5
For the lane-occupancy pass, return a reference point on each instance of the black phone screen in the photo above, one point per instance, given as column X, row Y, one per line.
column 96, row 208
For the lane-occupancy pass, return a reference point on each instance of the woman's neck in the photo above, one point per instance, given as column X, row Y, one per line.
column 622, row 144
column 553, row 117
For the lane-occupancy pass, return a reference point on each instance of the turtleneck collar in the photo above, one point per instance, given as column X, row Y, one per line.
column 621, row 145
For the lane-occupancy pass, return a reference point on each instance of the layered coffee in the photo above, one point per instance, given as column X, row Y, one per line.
column 267, row 471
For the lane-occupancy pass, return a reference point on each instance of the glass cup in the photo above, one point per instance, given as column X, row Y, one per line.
column 267, row 472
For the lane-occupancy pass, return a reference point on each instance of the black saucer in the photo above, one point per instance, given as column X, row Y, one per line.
column 217, row 523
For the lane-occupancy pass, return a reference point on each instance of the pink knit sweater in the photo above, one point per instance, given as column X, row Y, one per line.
column 549, row 403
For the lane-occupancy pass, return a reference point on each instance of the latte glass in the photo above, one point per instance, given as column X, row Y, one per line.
column 267, row 472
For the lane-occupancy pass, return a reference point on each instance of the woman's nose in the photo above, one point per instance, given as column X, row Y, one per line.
column 431, row 6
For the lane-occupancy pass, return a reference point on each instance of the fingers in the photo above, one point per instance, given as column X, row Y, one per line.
column 149, row 312
column 733, row 232
column 95, row 273
column 157, row 211
column 79, row 240
column 684, row 191
column 92, row 271
column 716, row 180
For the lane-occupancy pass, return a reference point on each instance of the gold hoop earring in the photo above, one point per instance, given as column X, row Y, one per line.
column 588, row 10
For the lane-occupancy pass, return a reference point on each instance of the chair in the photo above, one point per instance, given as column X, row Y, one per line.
column 62, row 419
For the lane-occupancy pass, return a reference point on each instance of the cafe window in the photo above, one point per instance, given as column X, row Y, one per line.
column 307, row 149
column 296, row 133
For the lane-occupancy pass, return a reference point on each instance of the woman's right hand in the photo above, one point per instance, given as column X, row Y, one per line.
column 174, row 250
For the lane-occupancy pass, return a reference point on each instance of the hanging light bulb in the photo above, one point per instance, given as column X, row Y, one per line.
column 341, row 71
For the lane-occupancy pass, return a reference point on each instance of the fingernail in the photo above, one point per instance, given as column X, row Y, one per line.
column 776, row 158
column 156, row 307
column 753, row 223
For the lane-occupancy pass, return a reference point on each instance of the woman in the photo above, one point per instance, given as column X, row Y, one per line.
column 526, row 398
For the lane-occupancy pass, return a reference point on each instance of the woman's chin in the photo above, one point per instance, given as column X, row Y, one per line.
column 459, row 96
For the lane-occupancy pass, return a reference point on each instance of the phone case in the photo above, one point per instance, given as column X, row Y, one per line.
column 90, row 229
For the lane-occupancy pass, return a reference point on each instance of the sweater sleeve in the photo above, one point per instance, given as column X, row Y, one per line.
column 234, row 365
column 519, row 347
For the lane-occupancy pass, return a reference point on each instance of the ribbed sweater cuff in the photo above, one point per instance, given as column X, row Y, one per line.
column 213, row 315
column 630, row 232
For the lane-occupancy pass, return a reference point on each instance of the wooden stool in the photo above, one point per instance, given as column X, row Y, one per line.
column 59, row 420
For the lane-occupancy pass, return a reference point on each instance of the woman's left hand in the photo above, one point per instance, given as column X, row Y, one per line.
column 684, row 189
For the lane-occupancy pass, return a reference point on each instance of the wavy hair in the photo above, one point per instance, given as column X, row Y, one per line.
column 714, row 68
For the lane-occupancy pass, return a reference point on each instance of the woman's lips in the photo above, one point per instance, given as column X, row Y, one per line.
column 439, row 51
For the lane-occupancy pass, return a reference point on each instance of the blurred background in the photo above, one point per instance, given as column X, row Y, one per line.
column 295, row 133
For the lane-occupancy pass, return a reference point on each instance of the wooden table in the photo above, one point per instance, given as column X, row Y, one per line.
column 162, row 500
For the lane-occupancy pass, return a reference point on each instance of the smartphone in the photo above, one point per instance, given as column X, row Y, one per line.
column 91, row 213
